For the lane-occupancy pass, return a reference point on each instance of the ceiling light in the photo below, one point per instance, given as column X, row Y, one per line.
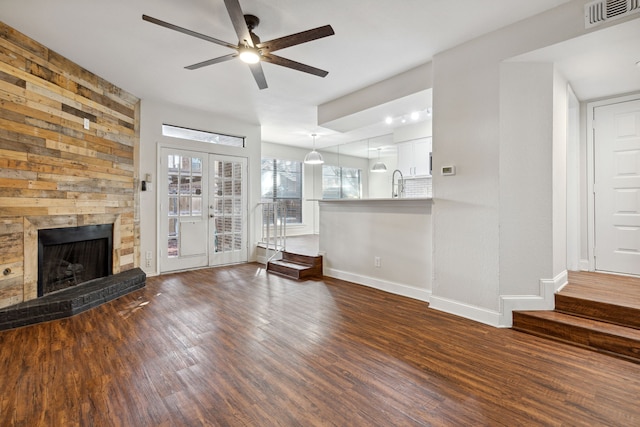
column 249, row 55
column 388, row 120
column 415, row 115
column 378, row 166
column 313, row 157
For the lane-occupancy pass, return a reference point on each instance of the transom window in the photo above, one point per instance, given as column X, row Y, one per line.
column 202, row 136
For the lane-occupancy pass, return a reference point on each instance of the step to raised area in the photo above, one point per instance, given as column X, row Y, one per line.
column 296, row 266
column 596, row 311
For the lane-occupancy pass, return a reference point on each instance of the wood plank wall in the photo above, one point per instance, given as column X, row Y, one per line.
column 54, row 172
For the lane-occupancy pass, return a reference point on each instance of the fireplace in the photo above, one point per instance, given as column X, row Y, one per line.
column 70, row 256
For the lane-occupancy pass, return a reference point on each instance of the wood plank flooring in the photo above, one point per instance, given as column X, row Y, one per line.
column 234, row 346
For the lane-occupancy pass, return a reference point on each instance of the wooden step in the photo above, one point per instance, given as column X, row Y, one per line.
column 296, row 266
column 605, row 297
column 597, row 335
column 594, row 310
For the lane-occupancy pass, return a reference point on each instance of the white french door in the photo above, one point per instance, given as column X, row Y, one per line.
column 617, row 187
column 203, row 210
column 227, row 210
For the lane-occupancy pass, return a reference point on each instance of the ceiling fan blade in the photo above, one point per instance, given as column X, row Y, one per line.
column 185, row 31
column 297, row 38
column 239, row 23
column 212, row 61
column 278, row 60
column 258, row 74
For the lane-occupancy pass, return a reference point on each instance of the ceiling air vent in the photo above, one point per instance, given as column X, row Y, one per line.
column 601, row 11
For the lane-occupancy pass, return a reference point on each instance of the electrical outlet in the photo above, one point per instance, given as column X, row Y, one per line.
column 148, row 263
column 377, row 262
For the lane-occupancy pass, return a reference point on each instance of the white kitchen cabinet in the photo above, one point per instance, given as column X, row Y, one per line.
column 414, row 157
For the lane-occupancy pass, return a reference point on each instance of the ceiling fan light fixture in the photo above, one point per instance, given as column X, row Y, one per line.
column 249, row 55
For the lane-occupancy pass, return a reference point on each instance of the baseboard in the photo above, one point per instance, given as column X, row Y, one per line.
column 508, row 303
column 383, row 285
column 544, row 301
column 478, row 314
column 584, row 265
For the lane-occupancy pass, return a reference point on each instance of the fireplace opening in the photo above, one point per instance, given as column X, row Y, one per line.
column 70, row 256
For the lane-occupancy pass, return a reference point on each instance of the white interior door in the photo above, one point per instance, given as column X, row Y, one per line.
column 227, row 210
column 617, row 187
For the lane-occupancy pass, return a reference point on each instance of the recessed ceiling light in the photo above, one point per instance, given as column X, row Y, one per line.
column 388, row 120
column 415, row 115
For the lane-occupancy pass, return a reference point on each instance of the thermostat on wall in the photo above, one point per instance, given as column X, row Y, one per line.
column 448, row 170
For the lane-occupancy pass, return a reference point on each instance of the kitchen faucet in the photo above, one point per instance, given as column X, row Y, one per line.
column 399, row 185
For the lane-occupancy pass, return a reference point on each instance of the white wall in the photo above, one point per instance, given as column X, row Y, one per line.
column 470, row 132
column 526, row 167
column 153, row 115
column 574, row 220
column 354, row 233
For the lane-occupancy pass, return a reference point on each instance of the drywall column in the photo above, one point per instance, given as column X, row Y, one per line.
column 533, row 106
column 467, row 120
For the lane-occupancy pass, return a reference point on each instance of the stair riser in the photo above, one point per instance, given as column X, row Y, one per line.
column 302, row 259
column 285, row 271
column 624, row 316
column 620, row 346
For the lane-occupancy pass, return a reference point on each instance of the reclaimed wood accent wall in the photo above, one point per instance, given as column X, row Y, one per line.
column 53, row 171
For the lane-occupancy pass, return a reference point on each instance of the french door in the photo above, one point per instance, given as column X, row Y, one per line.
column 203, row 210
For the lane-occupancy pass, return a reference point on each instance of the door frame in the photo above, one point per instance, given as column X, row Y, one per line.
column 164, row 143
column 591, row 200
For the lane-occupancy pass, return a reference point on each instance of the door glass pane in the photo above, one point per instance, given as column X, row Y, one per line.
column 173, row 206
column 185, row 198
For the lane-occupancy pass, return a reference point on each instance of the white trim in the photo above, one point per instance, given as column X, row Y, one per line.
column 383, row 285
column 591, row 233
column 583, row 265
column 544, row 301
column 478, row 314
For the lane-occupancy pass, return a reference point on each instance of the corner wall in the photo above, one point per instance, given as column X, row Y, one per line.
column 471, row 279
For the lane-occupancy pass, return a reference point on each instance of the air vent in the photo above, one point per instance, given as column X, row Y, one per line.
column 601, row 11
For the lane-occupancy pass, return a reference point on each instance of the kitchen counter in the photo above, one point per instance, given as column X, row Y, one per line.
column 381, row 200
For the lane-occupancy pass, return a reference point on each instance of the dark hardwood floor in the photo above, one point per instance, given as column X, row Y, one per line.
column 233, row 346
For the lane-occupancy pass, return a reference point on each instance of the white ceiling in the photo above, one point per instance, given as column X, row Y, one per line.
column 374, row 40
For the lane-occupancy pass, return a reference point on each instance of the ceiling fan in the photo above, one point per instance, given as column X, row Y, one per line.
column 249, row 48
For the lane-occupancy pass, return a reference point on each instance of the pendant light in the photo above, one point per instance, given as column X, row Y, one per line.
column 314, row 158
column 379, row 166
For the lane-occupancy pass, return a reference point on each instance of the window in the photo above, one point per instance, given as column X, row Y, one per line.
column 282, row 181
column 340, row 183
column 202, row 136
